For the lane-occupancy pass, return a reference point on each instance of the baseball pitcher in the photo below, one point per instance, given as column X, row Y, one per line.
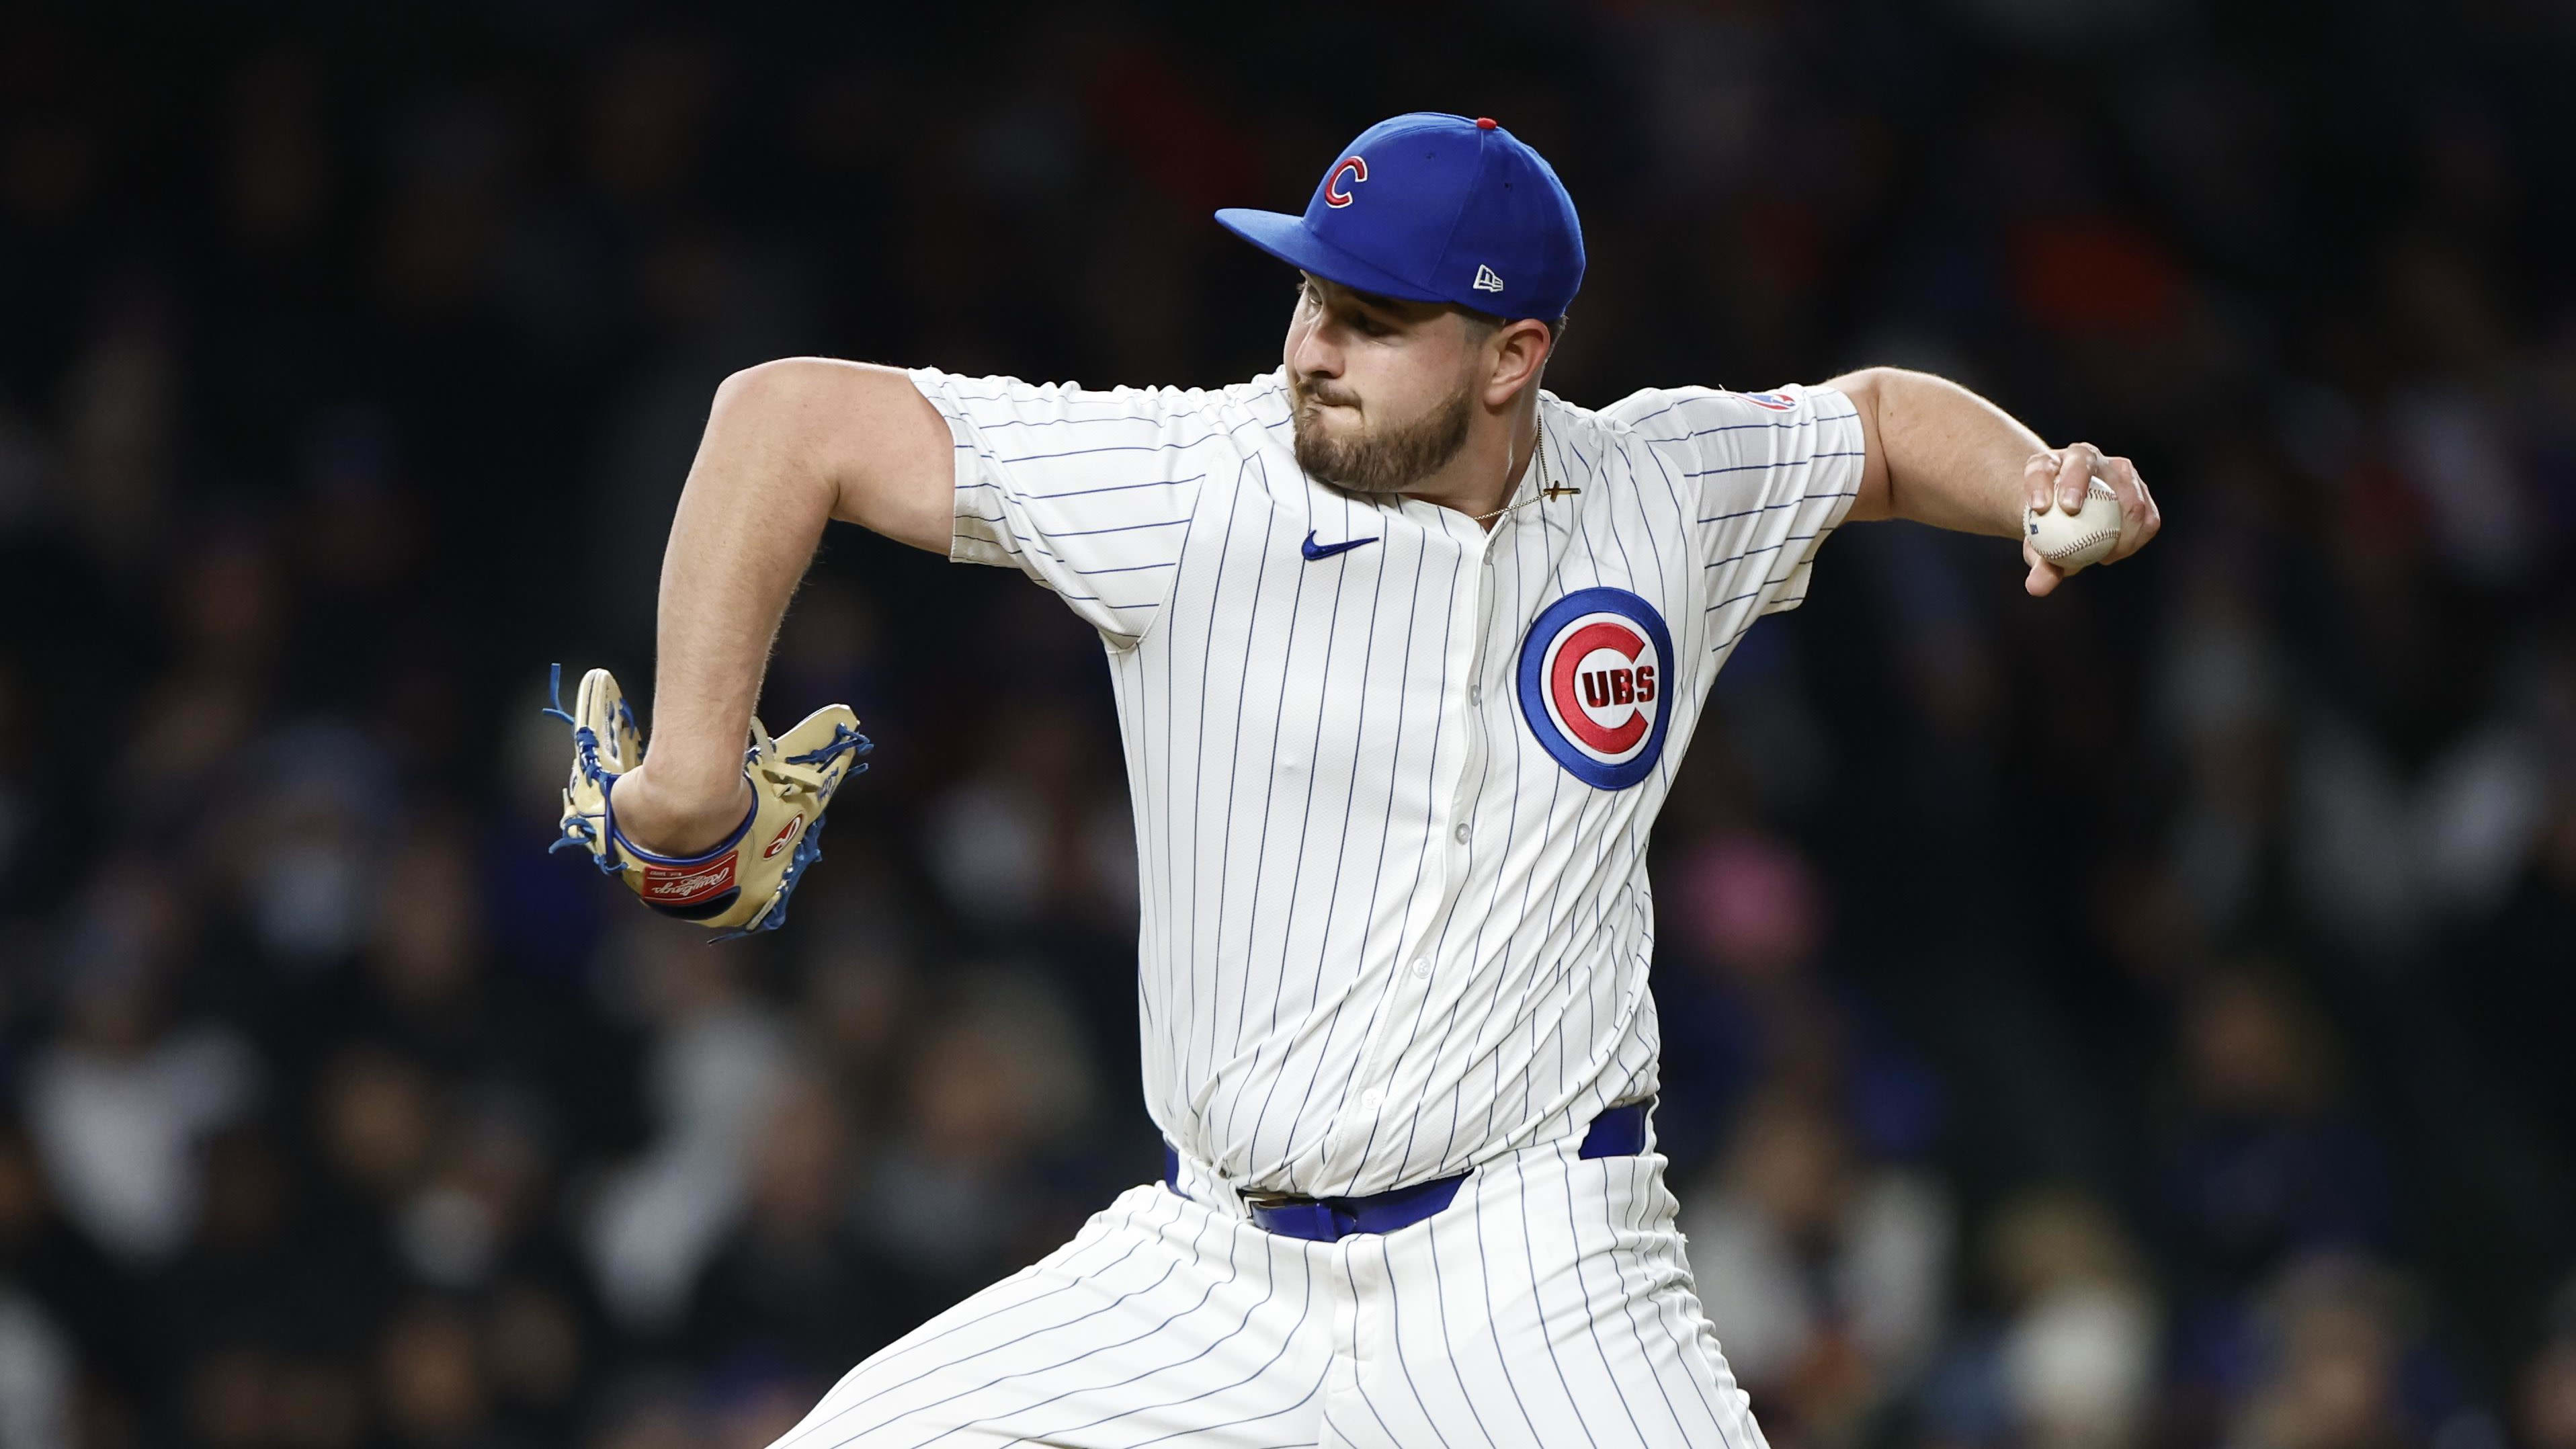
column 1407, row 651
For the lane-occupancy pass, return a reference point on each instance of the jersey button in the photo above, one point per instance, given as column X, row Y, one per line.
column 1371, row 1098
column 1476, row 693
column 1460, row 832
column 1422, row 968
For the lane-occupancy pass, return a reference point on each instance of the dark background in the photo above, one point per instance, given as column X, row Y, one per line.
column 2134, row 1018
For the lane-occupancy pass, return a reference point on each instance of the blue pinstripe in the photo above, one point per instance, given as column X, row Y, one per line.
column 1205, row 1294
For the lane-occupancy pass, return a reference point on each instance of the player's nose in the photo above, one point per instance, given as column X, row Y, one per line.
column 1312, row 354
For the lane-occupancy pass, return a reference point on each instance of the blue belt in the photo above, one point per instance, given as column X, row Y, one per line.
column 1619, row 1132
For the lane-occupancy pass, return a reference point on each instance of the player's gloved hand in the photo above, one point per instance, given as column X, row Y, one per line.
column 2059, row 478
column 742, row 884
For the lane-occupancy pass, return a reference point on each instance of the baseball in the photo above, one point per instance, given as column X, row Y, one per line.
column 2072, row 541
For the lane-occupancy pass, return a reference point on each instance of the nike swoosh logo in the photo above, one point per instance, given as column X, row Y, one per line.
column 1314, row 550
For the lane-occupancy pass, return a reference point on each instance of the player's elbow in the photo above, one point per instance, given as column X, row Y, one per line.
column 789, row 388
column 759, row 385
column 861, row 431
column 814, row 413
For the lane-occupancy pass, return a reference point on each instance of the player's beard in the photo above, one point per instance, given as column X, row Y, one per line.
column 1387, row 460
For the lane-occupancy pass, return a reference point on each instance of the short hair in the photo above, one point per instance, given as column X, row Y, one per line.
column 1486, row 324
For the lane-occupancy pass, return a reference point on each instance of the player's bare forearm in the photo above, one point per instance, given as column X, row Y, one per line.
column 1938, row 453
column 788, row 446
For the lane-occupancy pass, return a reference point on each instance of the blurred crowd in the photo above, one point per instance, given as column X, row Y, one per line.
column 2138, row 1018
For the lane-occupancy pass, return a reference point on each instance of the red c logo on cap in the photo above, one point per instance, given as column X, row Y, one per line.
column 1353, row 167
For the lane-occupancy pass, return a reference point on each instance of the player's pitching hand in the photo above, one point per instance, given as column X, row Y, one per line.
column 2059, row 478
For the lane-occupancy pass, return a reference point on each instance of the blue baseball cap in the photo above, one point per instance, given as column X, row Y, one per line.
column 1435, row 208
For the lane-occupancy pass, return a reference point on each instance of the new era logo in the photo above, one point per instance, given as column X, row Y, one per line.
column 1486, row 281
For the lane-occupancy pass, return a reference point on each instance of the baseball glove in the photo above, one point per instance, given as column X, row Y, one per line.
column 742, row 885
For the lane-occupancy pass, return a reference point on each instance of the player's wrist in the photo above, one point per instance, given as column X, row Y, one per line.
column 682, row 816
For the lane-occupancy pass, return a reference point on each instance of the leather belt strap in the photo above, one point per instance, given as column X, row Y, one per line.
column 1619, row 1132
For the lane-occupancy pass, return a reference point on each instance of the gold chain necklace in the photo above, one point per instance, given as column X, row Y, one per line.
column 1547, row 485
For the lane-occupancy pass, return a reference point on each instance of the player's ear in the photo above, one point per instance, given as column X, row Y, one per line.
column 1519, row 350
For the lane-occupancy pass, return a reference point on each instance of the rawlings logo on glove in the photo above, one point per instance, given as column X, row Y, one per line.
column 743, row 884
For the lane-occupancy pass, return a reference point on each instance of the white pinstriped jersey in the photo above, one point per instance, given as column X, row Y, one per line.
column 1393, row 774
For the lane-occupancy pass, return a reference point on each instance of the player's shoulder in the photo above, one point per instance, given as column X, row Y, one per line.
column 1073, row 400
column 1693, row 413
column 1065, row 425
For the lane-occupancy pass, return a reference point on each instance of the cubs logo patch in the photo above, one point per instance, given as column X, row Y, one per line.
column 1595, row 685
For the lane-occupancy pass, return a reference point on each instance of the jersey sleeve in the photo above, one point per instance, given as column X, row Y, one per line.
column 1088, row 492
column 1769, row 475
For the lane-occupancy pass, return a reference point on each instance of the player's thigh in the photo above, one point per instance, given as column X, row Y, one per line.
column 1160, row 1322
column 1551, row 1305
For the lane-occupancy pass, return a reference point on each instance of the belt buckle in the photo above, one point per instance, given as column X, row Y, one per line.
column 1270, row 1200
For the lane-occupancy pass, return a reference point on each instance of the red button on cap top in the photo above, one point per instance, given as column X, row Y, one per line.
column 1484, row 123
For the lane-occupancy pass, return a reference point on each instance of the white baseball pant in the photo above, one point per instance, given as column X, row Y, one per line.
column 1548, row 1306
